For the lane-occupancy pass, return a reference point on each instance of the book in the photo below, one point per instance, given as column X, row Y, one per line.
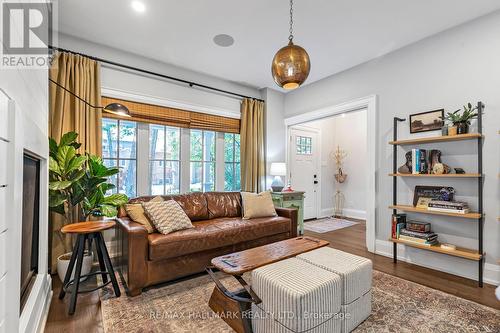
column 418, row 226
column 416, row 234
column 449, row 210
column 416, row 161
column 423, row 161
column 448, row 204
column 398, row 222
column 418, row 240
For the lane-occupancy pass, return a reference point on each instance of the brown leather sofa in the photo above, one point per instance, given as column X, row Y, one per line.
column 148, row 259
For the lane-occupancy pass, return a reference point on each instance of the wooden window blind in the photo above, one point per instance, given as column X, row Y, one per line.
column 154, row 114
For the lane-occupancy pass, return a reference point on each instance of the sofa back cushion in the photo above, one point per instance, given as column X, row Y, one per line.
column 193, row 204
column 223, row 204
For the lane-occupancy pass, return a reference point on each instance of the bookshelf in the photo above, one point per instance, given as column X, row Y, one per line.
column 470, row 254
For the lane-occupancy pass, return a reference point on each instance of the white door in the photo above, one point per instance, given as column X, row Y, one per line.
column 304, row 175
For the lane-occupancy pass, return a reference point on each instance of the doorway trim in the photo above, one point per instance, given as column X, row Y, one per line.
column 370, row 103
column 318, row 159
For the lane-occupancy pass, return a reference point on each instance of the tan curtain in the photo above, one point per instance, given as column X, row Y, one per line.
column 252, row 146
column 81, row 76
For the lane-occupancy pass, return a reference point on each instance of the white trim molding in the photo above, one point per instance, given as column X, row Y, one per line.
column 370, row 103
column 161, row 101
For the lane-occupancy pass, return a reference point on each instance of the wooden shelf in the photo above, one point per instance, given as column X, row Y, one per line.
column 458, row 252
column 459, row 137
column 448, row 175
column 407, row 208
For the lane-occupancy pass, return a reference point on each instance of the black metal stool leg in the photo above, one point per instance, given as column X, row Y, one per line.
column 107, row 261
column 71, row 266
column 78, row 272
column 102, row 266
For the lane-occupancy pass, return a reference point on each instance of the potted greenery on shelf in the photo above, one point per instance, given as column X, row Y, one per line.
column 77, row 190
column 461, row 121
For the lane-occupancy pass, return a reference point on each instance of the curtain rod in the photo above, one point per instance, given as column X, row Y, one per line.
column 136, row 69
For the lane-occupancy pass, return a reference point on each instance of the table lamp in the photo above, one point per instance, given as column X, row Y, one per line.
column 278, row 170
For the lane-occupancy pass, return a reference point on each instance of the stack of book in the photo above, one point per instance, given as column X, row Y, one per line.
column 421, row 238
column 456, row 207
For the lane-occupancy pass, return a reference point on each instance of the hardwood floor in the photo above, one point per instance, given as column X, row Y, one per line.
column 87, row 317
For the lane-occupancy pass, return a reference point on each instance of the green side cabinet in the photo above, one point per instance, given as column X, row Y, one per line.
column 293, row 199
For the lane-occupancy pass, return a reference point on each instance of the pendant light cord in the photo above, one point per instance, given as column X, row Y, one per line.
column 290, row 38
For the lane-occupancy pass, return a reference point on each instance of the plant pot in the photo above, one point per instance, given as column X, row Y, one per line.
column 452, row 130
column 462, row 128
column 63, row 263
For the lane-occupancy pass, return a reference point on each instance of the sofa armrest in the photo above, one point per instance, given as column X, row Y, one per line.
column 293, row 215
column 133, row 243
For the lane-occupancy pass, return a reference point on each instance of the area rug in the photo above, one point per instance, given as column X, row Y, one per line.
column 327, row 224
column 398, row 306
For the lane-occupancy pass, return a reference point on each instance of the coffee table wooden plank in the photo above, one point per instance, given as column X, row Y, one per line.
column 240, row 262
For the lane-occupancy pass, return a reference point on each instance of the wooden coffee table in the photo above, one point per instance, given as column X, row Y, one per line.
column 233, row 307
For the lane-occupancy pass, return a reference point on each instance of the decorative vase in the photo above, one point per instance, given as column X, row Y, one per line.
column 462, row 128
column 63, row 263
column 339, row 199
column 452, row 130
column 444, row 130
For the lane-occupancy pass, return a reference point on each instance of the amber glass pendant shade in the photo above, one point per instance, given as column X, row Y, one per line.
column 291, row 66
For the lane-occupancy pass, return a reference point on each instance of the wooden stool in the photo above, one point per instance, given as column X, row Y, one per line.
column 87, row 231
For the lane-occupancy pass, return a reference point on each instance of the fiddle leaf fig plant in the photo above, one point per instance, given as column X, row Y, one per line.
column 79, row 183
column 465, row 117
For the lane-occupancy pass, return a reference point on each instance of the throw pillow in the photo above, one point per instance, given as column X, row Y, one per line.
column 167, row 216
column 136, row 213
column 257, row 205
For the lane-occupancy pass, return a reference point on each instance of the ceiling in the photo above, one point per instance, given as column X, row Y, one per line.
column 338, row 34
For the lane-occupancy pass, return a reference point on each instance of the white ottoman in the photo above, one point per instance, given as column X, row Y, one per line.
column 356, row 274
column 296, row 297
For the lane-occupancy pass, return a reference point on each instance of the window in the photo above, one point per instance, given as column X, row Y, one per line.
column 160, row 160
column 232, row 170
column 164, row 159
column 304, row 145
column 119, row 148
column 202, row 161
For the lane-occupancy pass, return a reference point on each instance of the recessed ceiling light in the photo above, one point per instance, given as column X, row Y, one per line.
column 138, row 6
column 223, row 40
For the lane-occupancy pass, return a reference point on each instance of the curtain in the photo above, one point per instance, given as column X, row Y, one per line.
column 81, row 76
column 252, row 146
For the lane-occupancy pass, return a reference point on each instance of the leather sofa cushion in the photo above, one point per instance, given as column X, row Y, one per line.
column 215, row 233
column 193, row 204
column 223, row 204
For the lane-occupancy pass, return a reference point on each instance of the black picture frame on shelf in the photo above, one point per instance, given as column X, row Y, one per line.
column 443, row 193
column 427, row 121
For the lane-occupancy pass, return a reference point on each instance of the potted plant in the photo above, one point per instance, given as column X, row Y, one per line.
column 77, row 190
column 461, row 121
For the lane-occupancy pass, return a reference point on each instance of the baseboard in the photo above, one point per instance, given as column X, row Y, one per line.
column 48, row 301
column 491, row 273
column 347, row 212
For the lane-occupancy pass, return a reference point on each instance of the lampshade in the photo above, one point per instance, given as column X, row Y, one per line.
column 118, row 109
column 290, row 66
column 278, row 169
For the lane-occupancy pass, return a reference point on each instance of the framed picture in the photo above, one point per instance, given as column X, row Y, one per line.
column 426, row 121
column 423, row 194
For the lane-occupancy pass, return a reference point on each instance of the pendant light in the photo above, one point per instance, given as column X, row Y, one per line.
column 291, row 64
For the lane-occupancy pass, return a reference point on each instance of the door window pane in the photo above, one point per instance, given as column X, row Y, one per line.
column 209, row 177
column 127, row 177
column 127, row 139
column 196, row 145
column 172, row 143
column 202, row 172
column 208, row 146
column 231, row 159
column 156, row 142
column 172, row 184
column 156, row 178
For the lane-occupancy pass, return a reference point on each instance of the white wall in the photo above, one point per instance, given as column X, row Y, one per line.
column 445, row 70
column 349, row 132
column 195, row 99
column 27, row 90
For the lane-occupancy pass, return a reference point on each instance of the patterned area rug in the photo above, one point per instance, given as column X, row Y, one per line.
column 327, row 224
column 398, row 306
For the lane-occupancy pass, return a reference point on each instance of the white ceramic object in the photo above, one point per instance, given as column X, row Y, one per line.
column 62, row 265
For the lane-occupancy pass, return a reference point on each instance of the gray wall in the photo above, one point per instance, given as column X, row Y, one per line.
column 443, row 71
